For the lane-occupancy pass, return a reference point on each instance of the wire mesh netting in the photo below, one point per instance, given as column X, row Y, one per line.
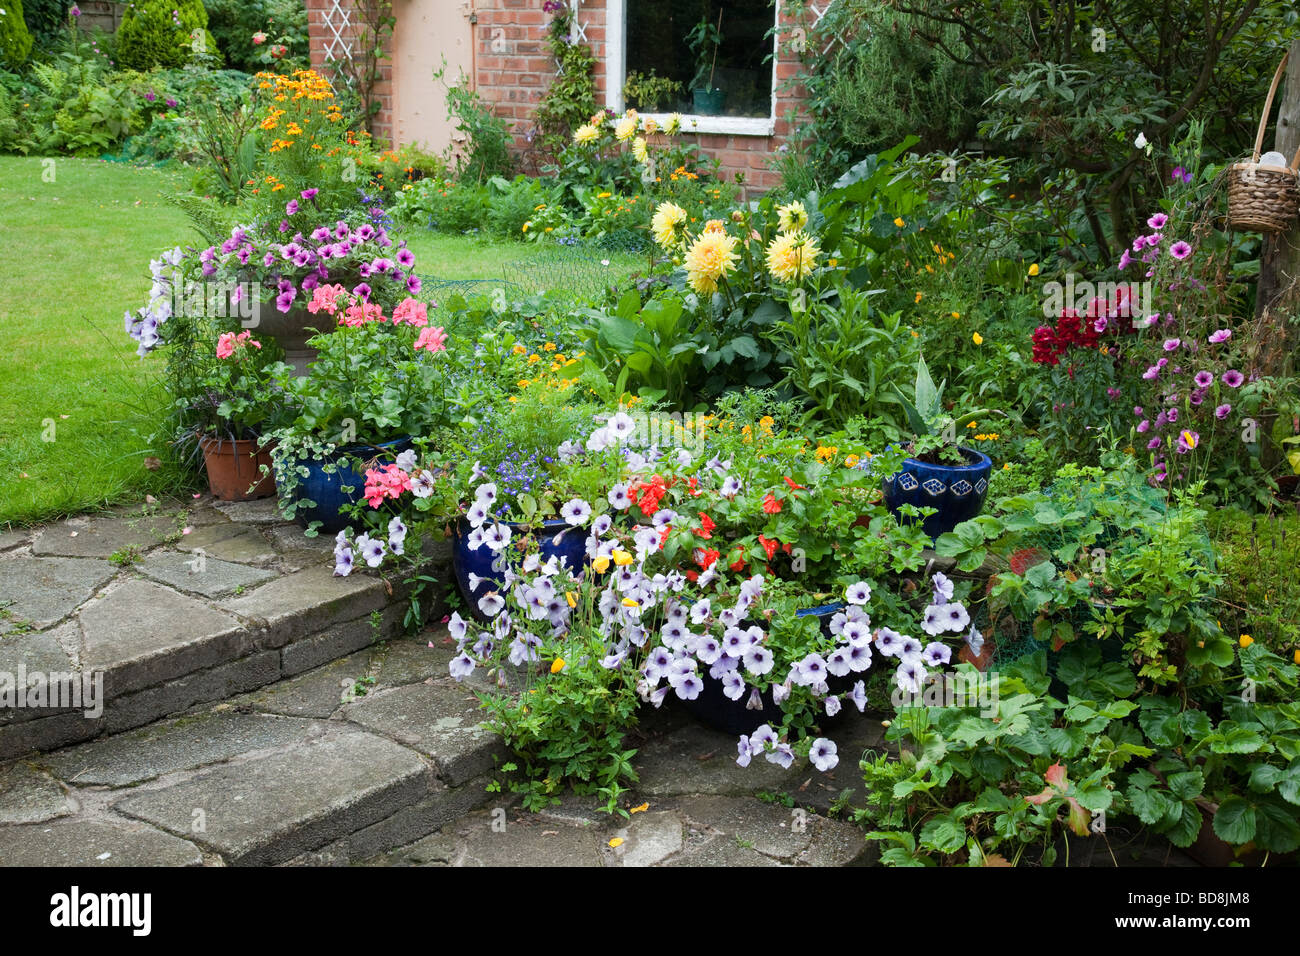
column 579, row 269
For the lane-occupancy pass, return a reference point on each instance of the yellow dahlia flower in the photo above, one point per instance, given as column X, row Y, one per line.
column 792, row 217
column 650, row 126
column 669, row 225
column 711, row 257
column 639, row 149
column 625, row 128
column 791, row 256
column 586, row 134
column 674, row 125
column 715, row 225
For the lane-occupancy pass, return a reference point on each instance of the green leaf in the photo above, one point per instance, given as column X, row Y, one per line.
column 1184, row 831
column 1188, row 785
column 943, row 834
column 1149, row 805
column 1235, row 821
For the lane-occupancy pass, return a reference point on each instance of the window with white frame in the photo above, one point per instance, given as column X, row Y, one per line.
column 713, row 61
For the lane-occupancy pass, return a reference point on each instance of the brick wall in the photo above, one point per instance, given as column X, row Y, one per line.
column 322, row 37
column 513, row 70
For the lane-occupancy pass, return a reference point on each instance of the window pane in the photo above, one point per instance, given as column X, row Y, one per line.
column 660, row 50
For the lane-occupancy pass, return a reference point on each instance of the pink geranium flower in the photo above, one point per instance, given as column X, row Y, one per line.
column 433, row 339
column 325, row 297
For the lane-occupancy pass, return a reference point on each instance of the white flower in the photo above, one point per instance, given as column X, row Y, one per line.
column 824, row 754
column 942, row 587
column 491, row 604
column 621, row 426
column 422, row 484
column 859, row 593
column 575, row 511
column 1141, row 141
column 406, row 461
column 487, row 493
column 859, row 696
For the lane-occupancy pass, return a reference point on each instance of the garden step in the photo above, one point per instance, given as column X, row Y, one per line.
column 171, row 606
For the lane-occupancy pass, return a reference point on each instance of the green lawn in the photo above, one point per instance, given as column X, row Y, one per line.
column 82, row 245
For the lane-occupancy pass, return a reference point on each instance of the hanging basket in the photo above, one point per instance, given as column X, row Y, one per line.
column 1264, row 198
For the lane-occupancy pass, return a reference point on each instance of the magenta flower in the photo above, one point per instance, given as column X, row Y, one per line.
column 413, row 284
column 362, row 291
column 1204, row 379
column 1125, row 260
column 1171, row 344
column 1171, row 416
column 1143, row 427
column 310, row 193
column 1153, row 444
column 1157, row 222
column 1152, row 240
column 1222, row 411
column 1180, row 250
column 1152, row 373
column 1232, row 378
column 291, row 207
column 1180, row 173
column 1220, row 336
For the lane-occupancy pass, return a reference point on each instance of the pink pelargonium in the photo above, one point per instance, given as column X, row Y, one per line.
column 228, row 343
column 434, row 339
column 325, row 297
column 390, row 481
column 411, row 311
column 362, row 313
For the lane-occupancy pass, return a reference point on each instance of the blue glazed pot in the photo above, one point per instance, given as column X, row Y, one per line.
column 956, row 491
column 720, row 712
column 326, row 490
column 571, row 547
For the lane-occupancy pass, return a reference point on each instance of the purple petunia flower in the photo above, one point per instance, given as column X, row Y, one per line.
column 823, row 754
column 1157, row 221
column 1232, row 378
column 362, row 291
column 1180, row 250
column 1153, row 444
column 1204, row 379
column 1220, row 336
column 291, row 207
column 1171, row 344
column 1222, row 411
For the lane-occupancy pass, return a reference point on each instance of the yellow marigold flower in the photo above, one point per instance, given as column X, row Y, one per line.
column 898, row 221
column 851, row 461
column 640, row 150
column 601, row 564
column 522, row 383
column 534, row 359
column 622, row 558
column 1296, row 657
column 825, row 453
column 603, row 195
column 1033, row 270
column 957, row 315
column 625, row 128
column 971, row 424
column 918, row 297
column 711, row 257
column 791, row 217
column 791, row 256
column 586, row 133
column 976, row 337
column 557, row 665
column 519, row 349
column 669, row 225
column 548, row 347
column 525, row 227
column 1245, row 640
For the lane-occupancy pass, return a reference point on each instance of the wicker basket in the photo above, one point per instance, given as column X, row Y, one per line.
column 1264, row 198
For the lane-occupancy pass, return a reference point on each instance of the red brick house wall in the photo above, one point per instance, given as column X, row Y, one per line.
column 512, row 70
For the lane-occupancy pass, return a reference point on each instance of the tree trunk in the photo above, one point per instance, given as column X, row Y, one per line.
column 1278, row 295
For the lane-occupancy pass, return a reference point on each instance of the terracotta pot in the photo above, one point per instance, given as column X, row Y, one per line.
column 236, row 466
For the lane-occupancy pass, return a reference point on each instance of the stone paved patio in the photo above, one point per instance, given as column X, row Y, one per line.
column 175, row 604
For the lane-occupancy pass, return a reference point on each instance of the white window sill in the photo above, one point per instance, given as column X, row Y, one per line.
column 733, row 125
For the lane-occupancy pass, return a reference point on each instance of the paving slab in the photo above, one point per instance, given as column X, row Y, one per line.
column 197, row 572
column 721, row 851
column 707, row 759
column 290, row 537
column 305, row 602
column 230, row 542
column 316, row 693
column 12, row 539
column 440, row 720
column 485, row 838
column 200, row 687
column 412, row 661
column 769, row 828
column 181, row 744
column 103, row 537
column 36, row 652
column 29, row 796
column 270, row 809
column 261, row 511
column 437, row 849
column 43, row 591
column 141, row 634
column 650, row 838
column 93, row 843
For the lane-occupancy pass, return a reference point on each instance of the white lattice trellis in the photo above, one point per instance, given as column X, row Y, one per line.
column 338, row 21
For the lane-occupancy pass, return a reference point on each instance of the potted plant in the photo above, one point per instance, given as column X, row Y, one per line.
column 377, row 382
column 273, row 269
column 704, row 40
column 939, row 472
column 239, row 403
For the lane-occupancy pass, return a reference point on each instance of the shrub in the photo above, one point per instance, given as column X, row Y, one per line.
column 45, row 18
column 15, row 38
column 163, row 33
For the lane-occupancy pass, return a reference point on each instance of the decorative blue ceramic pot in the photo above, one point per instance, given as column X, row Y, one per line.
column 326, row 490
column 956, row 491
column 717, row 710
column 556, row 538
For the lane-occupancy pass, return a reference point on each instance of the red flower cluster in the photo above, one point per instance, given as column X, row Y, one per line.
column 1102, row 318
column 646, row 495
